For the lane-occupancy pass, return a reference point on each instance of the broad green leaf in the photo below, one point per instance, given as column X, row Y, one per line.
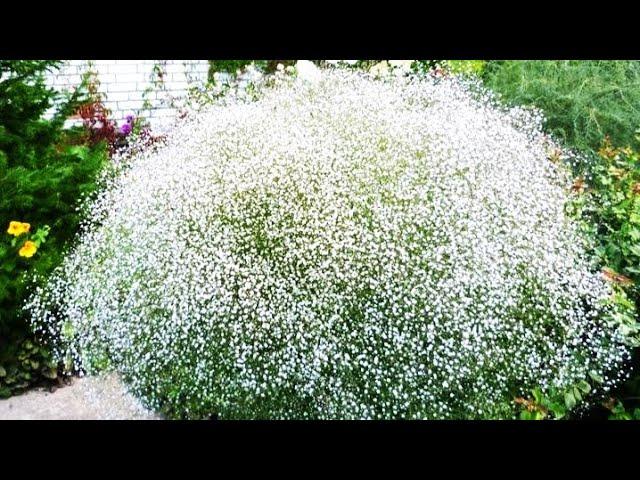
column 584, row 386
column 596, row 377
column 569, row 400
column 537, row 395
column 577, row 394
column 526, row 415
column 618, row 408
column 558, row 410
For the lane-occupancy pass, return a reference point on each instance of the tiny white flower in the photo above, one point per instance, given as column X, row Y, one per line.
column 403, row 65
column 365, row 248
column 307, row 71
column 380, row 69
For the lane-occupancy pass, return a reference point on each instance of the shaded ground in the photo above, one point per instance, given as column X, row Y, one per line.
column 89, row 398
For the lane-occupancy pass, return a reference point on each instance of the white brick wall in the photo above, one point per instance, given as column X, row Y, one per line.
column 123, row 83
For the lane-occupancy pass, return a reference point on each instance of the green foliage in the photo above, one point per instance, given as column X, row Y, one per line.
column 619, row 412
column 456, row 67
column 43, row 173
column 466, row 67
column 583, row 101
column 232, row 66
column 615, row 202
column 608, row 203
column 555, row 404
column 610, row 208
column 31, row 363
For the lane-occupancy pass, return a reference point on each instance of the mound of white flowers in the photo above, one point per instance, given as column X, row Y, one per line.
column 345, row 248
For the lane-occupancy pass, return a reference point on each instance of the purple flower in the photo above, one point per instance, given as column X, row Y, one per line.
column 130, row 118
column 125, row 129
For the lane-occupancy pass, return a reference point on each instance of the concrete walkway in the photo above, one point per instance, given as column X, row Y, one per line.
column 89, row 398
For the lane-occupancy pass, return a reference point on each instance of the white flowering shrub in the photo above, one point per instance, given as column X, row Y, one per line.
column 349, row 247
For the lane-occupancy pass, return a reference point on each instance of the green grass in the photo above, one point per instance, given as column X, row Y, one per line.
column 583, row 101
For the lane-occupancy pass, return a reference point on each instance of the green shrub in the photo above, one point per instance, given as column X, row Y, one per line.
column 583, row 101
column 615, row 205
column 42, row 176
column 466, row 67
column 458, row 67
column 609, row 204
column 232, row 66
column 340, row 248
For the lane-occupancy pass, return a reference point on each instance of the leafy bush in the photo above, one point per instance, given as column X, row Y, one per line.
column 349, row 248
column 466, row 67
column 583, row 101
column 612, row 201
column 42, row 176
column 233, row 66
column 608, row 201
column 458, row 67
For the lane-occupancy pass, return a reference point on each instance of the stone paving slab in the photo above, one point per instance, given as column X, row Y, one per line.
column 89, row 398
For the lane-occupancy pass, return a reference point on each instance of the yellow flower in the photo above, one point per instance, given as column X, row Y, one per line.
column 28, row 249
column 18, row 228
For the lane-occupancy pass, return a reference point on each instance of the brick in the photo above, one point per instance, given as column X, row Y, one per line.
column 174, row 68
column 81, row 64
column 119, row 69
column 151, row 94
column 130, row 105
column 131, row 64
column 107, row 78
column 178, row 85
column 144, row 113
column 125, row 83
column 111, row 104
column 73, row 79
column 118, row 96
column 135, row 95
column 122, row 87
column 130, row 77
column 164, row 112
